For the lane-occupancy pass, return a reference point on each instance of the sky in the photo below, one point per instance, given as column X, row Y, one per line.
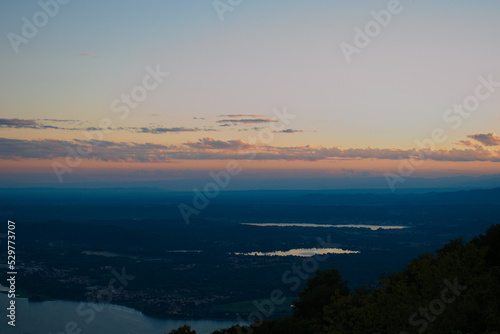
column 101, row 92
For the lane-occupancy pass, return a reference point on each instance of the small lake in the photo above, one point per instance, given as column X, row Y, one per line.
column 371, row 227
column 51, row 318
column 303, row 252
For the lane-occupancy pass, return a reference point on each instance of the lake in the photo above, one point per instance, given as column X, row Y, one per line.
column 371, row 227
column 302, row 252
column 51, row 318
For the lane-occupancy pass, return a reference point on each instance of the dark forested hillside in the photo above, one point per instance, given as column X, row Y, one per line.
column 455, row 289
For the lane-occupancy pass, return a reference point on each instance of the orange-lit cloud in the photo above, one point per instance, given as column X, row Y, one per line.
column 213, row 149
column 487, row 139
column 89, row 55
column 467, row 143
column 213, row 144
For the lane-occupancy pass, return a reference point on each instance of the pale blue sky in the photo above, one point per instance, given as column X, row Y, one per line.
column 265, row 54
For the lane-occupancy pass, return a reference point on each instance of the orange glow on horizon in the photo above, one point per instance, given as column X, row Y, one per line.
column 372, row 167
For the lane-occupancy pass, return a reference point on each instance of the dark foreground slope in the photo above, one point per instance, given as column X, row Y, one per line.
column 453, row 290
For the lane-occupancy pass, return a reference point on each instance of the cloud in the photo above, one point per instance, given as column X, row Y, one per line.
column 487, row 139
column 45, row 124
column 255, row 128
column 61, row 120
column 215, row 149
column 18, row 123
column 213, row 144
column 165, row 130
column 476, row 154
column 467, row 143
column 161, row 130
column 245, row 119
column 288, row 131
column 16, row 149
column 248, row 120
column 243, row 115
column 89, row 55
column 38, row 124
column 25, row 123
column 352, row 172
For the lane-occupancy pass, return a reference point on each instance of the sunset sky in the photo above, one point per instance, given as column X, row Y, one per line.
column 173, row 90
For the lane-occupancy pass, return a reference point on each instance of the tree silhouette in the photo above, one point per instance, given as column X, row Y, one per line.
column 455, row 290
column 185, row 329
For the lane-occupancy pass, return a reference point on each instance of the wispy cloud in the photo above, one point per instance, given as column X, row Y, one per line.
column 245, row 119
column 160, row 130
column 255, row 128
column 88, row 55
column 165, row 130
column 288, row 131
column 248, row 120
column 18, row 123
column 62, row 120
column 25, row 123
column 468, row 143
column 39, row 124
column 46, row 124
column 243, row 115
